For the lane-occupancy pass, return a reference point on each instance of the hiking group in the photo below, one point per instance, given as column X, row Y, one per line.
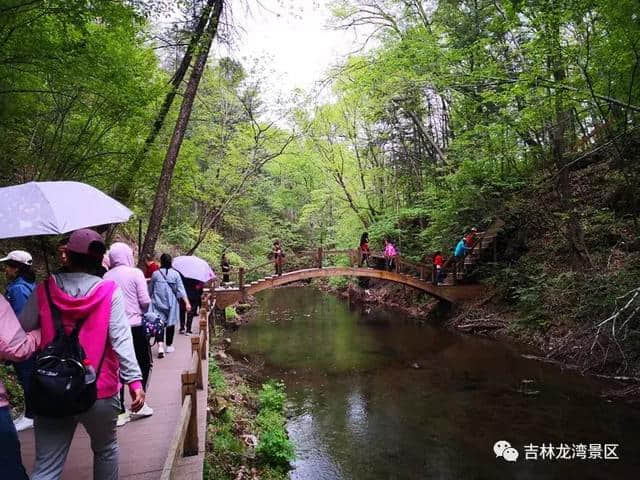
column 390, row 254
column 77, row 339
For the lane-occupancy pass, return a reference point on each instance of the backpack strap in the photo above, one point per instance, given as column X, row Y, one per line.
column 171, row 285
column 55, row 313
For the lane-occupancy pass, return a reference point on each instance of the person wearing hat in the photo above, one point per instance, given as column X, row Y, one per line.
column 19, row 273
column 470, row 239
column 105, row 336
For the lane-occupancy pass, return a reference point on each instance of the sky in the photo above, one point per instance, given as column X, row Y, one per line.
column 290, row 40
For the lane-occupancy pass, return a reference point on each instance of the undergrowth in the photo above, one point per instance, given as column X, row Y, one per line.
column 239, row 415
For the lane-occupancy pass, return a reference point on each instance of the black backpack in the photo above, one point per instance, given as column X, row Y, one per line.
column 61, row 386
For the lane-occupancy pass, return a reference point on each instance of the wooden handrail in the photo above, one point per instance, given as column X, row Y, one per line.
column 175, row 448
column 185, row 441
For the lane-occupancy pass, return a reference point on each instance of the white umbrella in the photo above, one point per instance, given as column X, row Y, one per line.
column 53, row 208
column 194, row 267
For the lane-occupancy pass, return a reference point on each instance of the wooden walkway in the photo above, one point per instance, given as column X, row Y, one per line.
column 143, row 443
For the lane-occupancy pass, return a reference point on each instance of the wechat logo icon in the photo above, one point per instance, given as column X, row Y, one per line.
column 503, row 449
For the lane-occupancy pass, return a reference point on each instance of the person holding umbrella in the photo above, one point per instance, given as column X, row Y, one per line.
column 136, row 297
column 193, row 288
column 15, row 345
column 105, row 336
column 167, row 290
column 195, row 272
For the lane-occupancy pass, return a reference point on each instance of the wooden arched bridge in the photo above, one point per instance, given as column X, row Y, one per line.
column 405, row 272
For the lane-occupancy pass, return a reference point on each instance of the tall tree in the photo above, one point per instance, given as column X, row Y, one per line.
column 124, row 189
column 164, row 183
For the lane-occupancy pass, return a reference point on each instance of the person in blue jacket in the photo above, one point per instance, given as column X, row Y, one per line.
column 19, row 272
column 460, row 250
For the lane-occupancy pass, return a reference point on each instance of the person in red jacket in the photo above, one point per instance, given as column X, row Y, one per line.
column 364, row 250
column 470, row 239
column 438, row 268
column 150, row 266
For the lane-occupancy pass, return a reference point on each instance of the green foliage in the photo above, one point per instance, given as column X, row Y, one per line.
column 274, row 447
column 10, row 381
column 272, row 396
column 216, row 379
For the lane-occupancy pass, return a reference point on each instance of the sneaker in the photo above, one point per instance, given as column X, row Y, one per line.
column 181, row 330
column 123, row 418
column 161, row 350
column 145, row 411
column 170, row 349
column 23, row 423
column 189, row 332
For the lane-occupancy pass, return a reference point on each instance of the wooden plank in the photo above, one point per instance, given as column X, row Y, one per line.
column 175, row 447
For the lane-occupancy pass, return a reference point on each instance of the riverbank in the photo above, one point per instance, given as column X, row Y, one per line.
column 566, row 345
column 246, row 435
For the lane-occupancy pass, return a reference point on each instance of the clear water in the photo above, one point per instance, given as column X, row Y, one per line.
column 361, row 410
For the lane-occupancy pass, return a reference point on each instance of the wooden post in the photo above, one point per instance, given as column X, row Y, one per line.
column 205, row 331
column 195, row 348
column 190, row 446
column 241, row 283
column 319, row 257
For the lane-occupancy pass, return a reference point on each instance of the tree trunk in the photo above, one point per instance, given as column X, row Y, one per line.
column 573, row 229
column 164, row 184
column 124, row 190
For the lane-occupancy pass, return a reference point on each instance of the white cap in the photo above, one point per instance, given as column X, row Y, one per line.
column 19, row 256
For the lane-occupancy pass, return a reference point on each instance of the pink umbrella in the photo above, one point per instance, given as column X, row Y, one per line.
column 194, row 267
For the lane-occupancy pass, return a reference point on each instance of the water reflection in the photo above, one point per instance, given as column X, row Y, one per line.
column 361, row 411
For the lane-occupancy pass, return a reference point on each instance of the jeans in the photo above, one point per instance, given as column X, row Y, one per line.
column 54, row 435
column 10, row 459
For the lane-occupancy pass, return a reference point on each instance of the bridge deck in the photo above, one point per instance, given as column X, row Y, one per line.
column 143, row 443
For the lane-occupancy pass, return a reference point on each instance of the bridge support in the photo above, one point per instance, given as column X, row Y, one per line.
column 243, row 292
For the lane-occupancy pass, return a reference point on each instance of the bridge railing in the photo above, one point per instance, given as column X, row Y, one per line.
column 320, row 257
column 185, row 441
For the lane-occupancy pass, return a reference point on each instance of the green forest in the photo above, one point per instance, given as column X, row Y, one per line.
column 458, row 112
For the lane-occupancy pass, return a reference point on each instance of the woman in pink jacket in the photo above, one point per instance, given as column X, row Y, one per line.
column 79, row 294
column 136, row 301
column 15, row 345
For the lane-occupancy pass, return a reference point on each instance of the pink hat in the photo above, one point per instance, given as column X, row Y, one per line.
column 80, row 241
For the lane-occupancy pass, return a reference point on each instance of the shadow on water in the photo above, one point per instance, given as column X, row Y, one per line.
column 360, row 409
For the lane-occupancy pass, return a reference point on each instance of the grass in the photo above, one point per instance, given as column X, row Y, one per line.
column 239, row 411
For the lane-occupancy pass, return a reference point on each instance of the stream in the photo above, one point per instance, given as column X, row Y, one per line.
column 375, row 395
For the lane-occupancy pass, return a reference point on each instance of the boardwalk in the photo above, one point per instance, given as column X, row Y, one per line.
column 143, row 443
